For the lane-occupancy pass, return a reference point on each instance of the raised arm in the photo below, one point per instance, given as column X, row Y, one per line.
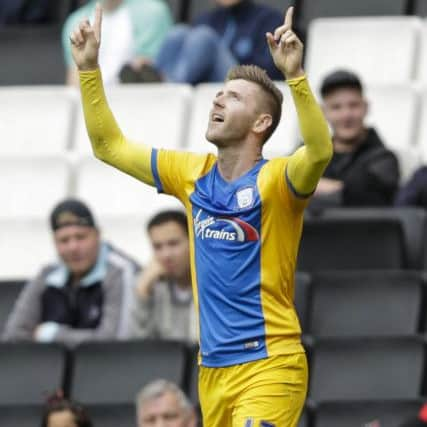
column 108, row 142
column 306, row 165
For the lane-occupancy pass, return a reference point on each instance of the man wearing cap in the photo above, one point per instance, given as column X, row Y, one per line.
column 84, row 296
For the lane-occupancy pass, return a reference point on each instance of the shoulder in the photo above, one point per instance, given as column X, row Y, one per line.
column 119, row 260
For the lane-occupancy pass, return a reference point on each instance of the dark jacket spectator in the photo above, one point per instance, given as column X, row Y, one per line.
column 414, row 193
column 362, row 172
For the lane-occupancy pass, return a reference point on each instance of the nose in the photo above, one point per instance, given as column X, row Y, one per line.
column 218, row 101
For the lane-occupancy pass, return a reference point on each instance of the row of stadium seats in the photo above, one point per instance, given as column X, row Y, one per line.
column 342, row 369
column 351, row 239
column 379, row 303
column 175, row 117
column 330, row 414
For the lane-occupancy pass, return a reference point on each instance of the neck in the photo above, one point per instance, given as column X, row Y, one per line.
column 235, row 161
column 349, row 145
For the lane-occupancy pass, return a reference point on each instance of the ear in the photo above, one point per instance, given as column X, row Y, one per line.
column 262, row 123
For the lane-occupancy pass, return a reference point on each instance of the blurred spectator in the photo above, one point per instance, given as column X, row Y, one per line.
column 234, row 32
column 414, row 193
column 60, row 412
column 164, row 307
column 419, row 421
column 132, row 32
column 14, row 12
column 162, row 403
column 85, row 296
column 362, row 171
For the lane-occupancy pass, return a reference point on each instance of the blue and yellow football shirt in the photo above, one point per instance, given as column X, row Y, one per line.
column 244, row 234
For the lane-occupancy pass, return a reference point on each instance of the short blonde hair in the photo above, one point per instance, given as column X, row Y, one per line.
column 273, row 96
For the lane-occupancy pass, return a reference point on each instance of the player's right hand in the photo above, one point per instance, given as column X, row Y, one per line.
column 85, row 42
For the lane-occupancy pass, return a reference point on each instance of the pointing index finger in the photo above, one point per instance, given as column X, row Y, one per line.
column 98, row 21
column 289, row 17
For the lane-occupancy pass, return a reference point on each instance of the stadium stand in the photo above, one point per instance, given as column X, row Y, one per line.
column 28, row 371
column 353, row 48
column 37, row 106
column 20, row 415
column 310, row 10
column 374, row 303
column 366, row 368
column 352, row 243
column 350, row 414
column 302, row 298
column 112, row 415
column 422, row 131
column 129, row 364
column 9, row 291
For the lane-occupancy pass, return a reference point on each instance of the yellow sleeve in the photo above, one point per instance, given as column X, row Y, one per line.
column 307, row 164
column 108, row 142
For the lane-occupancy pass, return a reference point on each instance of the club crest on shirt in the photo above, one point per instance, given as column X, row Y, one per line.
column 245, row 197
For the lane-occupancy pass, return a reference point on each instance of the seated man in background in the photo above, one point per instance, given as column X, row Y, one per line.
column 233, row 33
column 362, row 172
column 164, row 303
column 133, row 31
column 162, row 403
column 86, row 296
column 414, row 193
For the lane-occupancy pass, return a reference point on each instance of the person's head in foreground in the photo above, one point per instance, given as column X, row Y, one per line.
column 246, row 111
column 76, row 236
column 168, row 233
column 60, row 412
column 162, row 403
column 418, row 421
column 344, row 106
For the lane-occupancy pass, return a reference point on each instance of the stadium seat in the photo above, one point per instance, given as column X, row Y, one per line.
column 155, row 114
column 112, row 415
column 366, row 368
column 130, row 365
column 420, row 8
column 113, row 193
column 390, row 60
column 193, row 375
column 376, row 303
column 398, row 135
column 352, row 244
column 412, row 219
column 9, row 292
column 20, row 415
column 34, row 55
column 302, row 298
column 283, row 141
column 25, row 246
column 29, row 372
column 422, row 131
column 365, row 413
column 178, row 9
column 310, row 10
column 31, row 186
column 47, row 112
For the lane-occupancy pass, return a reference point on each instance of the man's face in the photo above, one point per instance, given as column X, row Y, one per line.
column 61, row 419
column 171, row 248
column 234, row 112
column 165, row 411
column 345, row 109
column 78, row 247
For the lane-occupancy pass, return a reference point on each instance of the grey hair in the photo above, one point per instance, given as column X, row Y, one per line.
column 158, row 388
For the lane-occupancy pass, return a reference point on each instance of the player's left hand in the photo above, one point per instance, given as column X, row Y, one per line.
column 286, row 48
